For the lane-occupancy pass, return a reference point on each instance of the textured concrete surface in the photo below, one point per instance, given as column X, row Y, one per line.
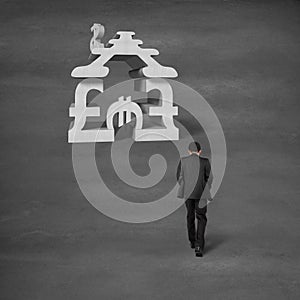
column 243, row 57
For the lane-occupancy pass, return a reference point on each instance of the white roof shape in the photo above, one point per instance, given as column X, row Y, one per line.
column 123, row 47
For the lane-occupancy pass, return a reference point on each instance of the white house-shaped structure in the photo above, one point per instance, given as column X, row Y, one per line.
column 151, row 73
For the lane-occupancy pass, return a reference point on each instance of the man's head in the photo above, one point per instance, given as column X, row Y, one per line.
column 195, row 147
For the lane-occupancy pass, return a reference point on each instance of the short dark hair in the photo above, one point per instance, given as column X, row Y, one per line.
column 194, row 147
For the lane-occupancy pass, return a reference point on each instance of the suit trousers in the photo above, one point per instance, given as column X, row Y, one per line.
column 193, row 210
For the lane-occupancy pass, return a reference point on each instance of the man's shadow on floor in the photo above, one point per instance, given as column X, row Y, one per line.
column 213, row 241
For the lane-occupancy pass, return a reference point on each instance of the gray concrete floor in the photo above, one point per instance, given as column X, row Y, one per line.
column 243, row 57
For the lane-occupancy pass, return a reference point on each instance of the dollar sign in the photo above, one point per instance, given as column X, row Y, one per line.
column 95, row 43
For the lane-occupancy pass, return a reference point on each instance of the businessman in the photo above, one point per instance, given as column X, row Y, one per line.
column 195, row 178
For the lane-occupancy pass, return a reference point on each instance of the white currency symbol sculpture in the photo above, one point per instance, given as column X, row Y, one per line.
column 123, row 47
column 95, row 43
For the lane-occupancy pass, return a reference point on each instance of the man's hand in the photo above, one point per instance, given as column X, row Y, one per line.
column 208, row 200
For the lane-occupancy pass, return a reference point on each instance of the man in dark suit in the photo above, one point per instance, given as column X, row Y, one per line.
column 194, row 178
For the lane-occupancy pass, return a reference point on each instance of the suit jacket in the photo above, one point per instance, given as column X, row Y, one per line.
column 194, row 177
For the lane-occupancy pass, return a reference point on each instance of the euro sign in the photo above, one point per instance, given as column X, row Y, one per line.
column 126, row 106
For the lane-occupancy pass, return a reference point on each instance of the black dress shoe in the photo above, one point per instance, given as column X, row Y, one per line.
column 198, row 251
column 192, row 244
